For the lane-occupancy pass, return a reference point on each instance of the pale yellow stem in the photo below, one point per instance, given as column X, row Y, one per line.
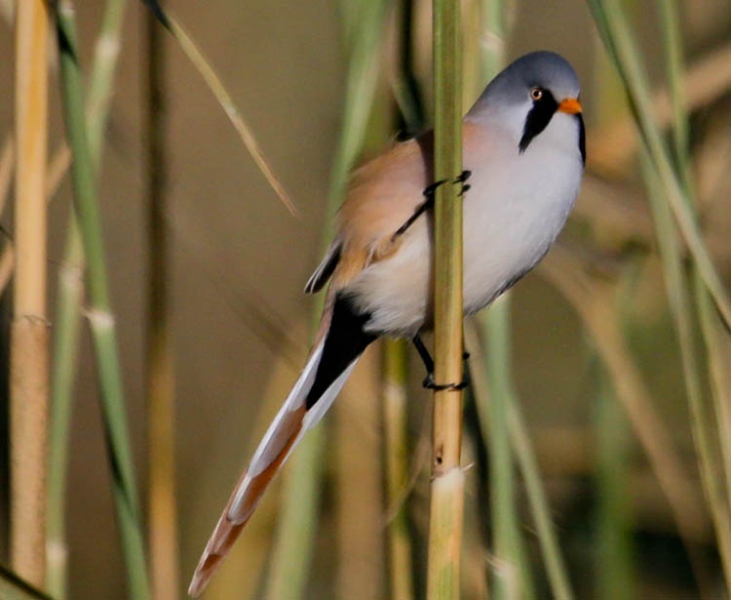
column 29, row 335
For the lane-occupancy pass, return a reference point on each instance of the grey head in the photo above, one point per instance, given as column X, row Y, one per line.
column 527, row 94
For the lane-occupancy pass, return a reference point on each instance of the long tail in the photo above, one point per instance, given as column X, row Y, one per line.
column 341, row 343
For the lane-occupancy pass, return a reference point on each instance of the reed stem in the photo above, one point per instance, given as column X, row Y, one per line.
column 162, row 504
column 447, row 488
column 614, row 557
column 100, row 317
column 29, row 335
column 511, row 569
column 67, row 322
column 65, row 354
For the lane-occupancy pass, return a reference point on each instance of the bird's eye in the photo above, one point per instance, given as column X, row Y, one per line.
column 536, row 93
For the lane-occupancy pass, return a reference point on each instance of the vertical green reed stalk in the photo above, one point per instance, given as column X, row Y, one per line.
column 162, row 504
column 512, row 577
column 447, row 488
column 29, row 333
column 546, row 531
column 499, row 406
column 511, row 567
column 69, row 302
column 525, row 456
column 509, row 574
column 713, row 332
column 65, row 354
column 100, row 317
column 293, row 546
column 718, row 468
column 614, row 557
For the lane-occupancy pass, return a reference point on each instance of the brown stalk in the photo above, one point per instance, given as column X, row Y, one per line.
column 162, row 506
column 29, row 335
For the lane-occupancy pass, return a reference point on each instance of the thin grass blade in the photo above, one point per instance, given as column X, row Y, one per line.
column 100, row 318
column 204, row 68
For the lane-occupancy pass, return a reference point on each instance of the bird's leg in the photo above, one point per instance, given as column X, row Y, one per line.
column 429, row 194
column 428, row 361
column 425, row 358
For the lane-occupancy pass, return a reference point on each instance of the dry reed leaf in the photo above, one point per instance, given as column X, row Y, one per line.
column 232, row 112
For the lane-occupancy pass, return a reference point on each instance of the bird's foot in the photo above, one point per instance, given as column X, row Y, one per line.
column 431, row 190
column 461, row 180
column 428, row 361
column 430, row 384
column 428, row 203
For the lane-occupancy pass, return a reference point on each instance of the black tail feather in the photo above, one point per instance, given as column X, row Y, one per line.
column 346, row 340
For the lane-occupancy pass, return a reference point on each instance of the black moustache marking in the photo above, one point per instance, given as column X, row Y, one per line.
column 540, row 116
column 582, row 138
column 538, row 119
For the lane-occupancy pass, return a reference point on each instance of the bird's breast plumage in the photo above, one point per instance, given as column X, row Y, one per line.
column 516, row 206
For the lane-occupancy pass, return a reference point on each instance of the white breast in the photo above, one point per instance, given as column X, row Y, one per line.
column 517, row 205
column 516, row 209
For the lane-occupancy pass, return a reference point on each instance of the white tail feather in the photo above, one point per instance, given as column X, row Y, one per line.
column 283, row 435
column 272, row 444
column 268, row 447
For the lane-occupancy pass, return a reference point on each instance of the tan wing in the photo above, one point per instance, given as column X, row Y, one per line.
column 383, row 194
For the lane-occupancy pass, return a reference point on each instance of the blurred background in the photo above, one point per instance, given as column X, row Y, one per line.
column 594, row 355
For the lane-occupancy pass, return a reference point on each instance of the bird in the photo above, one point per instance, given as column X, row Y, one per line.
column 523, row 154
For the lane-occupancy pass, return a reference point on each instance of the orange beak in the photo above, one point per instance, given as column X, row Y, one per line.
column 570, row 106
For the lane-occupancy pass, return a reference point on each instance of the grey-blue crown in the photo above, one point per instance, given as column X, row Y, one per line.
column 544, row 69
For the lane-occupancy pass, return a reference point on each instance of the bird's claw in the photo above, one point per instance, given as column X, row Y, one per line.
column 430, row 384
column 461, row 180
